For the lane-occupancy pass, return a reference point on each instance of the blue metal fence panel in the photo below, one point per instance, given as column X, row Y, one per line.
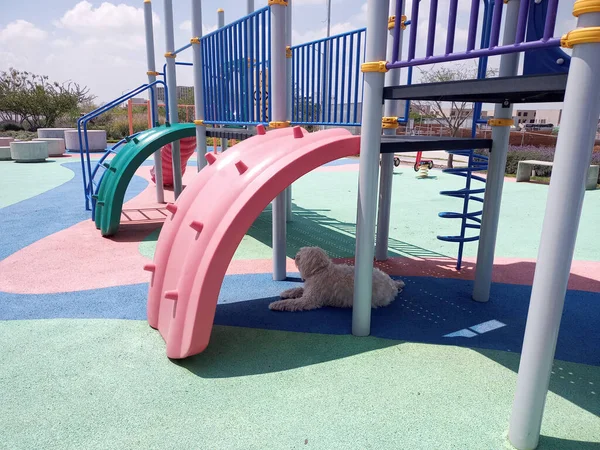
column 237, row 75
column 327, row 81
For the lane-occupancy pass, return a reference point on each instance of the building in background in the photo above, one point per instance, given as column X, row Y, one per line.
column 524, row 116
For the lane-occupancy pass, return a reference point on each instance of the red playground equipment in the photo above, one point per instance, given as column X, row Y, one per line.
column 419, row 162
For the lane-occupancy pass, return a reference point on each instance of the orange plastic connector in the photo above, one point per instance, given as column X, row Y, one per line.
column 277, row 2
column 170, row 55
column 389, row 122
column 392, row 22
column 279, row 124
column 152, row 73
column 199, row 122
column 500, row 122
column 195, row 40
column 288, row 52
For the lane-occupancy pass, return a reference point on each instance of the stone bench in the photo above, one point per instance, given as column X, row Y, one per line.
column 5, row 154
column 56, row 146
column 96, row 140
column 52, row 132
column 5, row 141
column 524, row 172
column 29, row 151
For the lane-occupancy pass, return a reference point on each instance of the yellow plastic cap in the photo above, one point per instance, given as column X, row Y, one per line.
column 585, row 7
column 500, row 122
column 375, row 66
column 586, row 35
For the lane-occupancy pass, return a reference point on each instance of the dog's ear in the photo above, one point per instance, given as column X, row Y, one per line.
column 311, row 260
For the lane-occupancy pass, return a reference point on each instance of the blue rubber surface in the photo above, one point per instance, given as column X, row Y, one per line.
column 50, row 212
column 427, row 311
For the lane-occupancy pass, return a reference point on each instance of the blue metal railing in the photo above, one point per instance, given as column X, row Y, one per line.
column 82, row 122
column 236, row 62
column 327, row 84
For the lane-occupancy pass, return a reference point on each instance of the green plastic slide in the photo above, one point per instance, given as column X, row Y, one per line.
column 123, row 166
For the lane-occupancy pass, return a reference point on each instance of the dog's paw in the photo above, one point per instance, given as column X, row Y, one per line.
column 400, row 284
column 278, row 306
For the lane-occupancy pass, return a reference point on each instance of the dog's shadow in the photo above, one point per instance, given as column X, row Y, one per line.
column 237, row 351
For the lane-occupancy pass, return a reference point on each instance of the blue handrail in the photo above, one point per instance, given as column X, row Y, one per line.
column 83, row 137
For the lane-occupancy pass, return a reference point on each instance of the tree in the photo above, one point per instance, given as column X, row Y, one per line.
column 33, row 100
column 459, row 111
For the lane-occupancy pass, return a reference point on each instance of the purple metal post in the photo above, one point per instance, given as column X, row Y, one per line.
column 522, row 21
column 412, row 42
column 451, row 27
column 550, row 19
column 496, row 19
column 473, row 25
column 397, row 29
column 431, row 27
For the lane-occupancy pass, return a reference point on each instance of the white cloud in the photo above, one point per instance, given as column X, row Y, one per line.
column 187, row 26
column 311, row 35
column 21, row 30
column 62, row 43
column 107, row 18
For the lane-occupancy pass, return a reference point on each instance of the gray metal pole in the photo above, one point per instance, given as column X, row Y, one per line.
column 509, row 66
column 150, row 56
column 391, row 109
column 278, row 99
column 250, row 96
column 172, row 87
column 326, row 64
column 198, row 83
column 557, row 244
column 221, row 24
column 370, row 141
column 288, row 75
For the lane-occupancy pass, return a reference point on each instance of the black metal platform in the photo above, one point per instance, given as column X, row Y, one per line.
column 229, row 133
column 505, row 90
column 401, row 144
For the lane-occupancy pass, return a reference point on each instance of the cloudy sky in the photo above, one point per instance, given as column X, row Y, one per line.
column 101, row 44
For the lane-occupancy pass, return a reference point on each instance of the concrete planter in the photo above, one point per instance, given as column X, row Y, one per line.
column 29, row 151
column 96, row 140
column 5, row 154
column 52, row 132
column 56, row 146
column 5, row 141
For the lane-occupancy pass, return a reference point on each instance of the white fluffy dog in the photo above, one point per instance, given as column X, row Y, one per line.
column 329, row 284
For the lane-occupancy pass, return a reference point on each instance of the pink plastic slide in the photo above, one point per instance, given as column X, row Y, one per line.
column 210, row 218
column 187, row 149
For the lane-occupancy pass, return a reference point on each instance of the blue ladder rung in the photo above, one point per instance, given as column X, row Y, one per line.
column 458, row 238
column 462, row 170
column 463, row 192
column 457, row 215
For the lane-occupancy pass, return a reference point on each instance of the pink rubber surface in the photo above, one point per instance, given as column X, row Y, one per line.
column 187, row 148
column 211, row 217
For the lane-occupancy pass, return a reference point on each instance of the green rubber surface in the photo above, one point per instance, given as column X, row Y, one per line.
column 23, row 181
column 106, row 384
column 124, row 165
